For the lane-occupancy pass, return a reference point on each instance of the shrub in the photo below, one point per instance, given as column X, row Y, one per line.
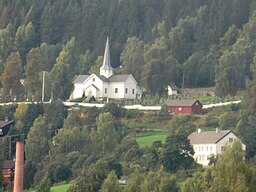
column 61, row 173
column 45, row 185
column 133, row 114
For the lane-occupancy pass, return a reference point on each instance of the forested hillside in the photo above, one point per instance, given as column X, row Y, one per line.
column 191, row 43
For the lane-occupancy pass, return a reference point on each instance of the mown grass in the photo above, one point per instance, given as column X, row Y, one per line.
column 60, row 188
column 149, row 139
column 57, row 188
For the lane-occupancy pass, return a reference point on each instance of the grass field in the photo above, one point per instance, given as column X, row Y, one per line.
column 149, row 139
column 57, row 188
column 60, row 188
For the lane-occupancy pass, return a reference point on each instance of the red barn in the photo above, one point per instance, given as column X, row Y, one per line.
column 184, row 106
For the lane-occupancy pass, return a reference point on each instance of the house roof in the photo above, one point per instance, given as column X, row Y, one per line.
column 5, row 127
column 118, row 78
column 207, row 137
column 5, row 123
column 181, row 103
column 173, row 87
column 80, row 78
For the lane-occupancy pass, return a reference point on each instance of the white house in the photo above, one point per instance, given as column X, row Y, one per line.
column 208, row 143
column 172, row 90
column 106, row 85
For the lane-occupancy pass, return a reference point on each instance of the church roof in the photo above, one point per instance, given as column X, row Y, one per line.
column 207, row 137
column 92, row 85
column 106, row 61
column 103, row 78
column 118, row 78
column 80, row 78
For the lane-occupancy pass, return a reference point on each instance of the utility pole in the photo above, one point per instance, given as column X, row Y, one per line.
column 43, row 87
column 10, row 148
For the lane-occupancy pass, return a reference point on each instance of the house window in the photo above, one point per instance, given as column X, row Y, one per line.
column 222, row 148
column 179, row 108
column 106, row 90
column 133, row 91
column 116, row 90
column 231, row 140
column 206, row 148
column 126, row 90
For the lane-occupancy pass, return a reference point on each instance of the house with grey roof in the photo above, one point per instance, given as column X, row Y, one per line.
column 5, row 126
column 184, row 106
column 208, row 143
column 106, row 85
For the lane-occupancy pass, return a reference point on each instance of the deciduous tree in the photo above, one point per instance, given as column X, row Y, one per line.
column 11, row 76
column 132, row 58
column 111, row 183
column 37, row 148
column 177, row 153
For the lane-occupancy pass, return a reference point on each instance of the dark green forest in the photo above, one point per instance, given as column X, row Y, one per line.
column 94, row 148
column 189, row 43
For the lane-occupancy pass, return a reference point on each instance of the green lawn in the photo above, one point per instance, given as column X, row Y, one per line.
column 58, row 188
column 149, row 139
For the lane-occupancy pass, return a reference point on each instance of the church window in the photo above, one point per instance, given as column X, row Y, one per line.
column 126, row 90
column 106, row 90
column 116, row 90
column 133, row 91
column 93, row 79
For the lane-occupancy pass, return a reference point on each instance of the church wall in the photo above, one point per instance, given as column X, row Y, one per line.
column 78, row 91
column 91, row 91
column 131, row 87
column 105, row 91
column 94, row 80
column 120, row 91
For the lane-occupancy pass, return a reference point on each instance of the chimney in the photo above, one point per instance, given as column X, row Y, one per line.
column 199, row 130
column 6, row 119
column 19, row 164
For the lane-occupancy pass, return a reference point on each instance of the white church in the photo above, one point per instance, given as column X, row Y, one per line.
column 106, row 85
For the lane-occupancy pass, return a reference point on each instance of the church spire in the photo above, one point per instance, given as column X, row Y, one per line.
column 106, row 68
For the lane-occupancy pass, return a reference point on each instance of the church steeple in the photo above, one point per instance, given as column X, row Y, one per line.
column 106, row 68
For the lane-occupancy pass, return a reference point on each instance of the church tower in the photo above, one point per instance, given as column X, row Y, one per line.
column 106, row 69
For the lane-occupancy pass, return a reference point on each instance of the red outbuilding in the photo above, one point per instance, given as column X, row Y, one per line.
column 184, row 106
column 8, row 171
